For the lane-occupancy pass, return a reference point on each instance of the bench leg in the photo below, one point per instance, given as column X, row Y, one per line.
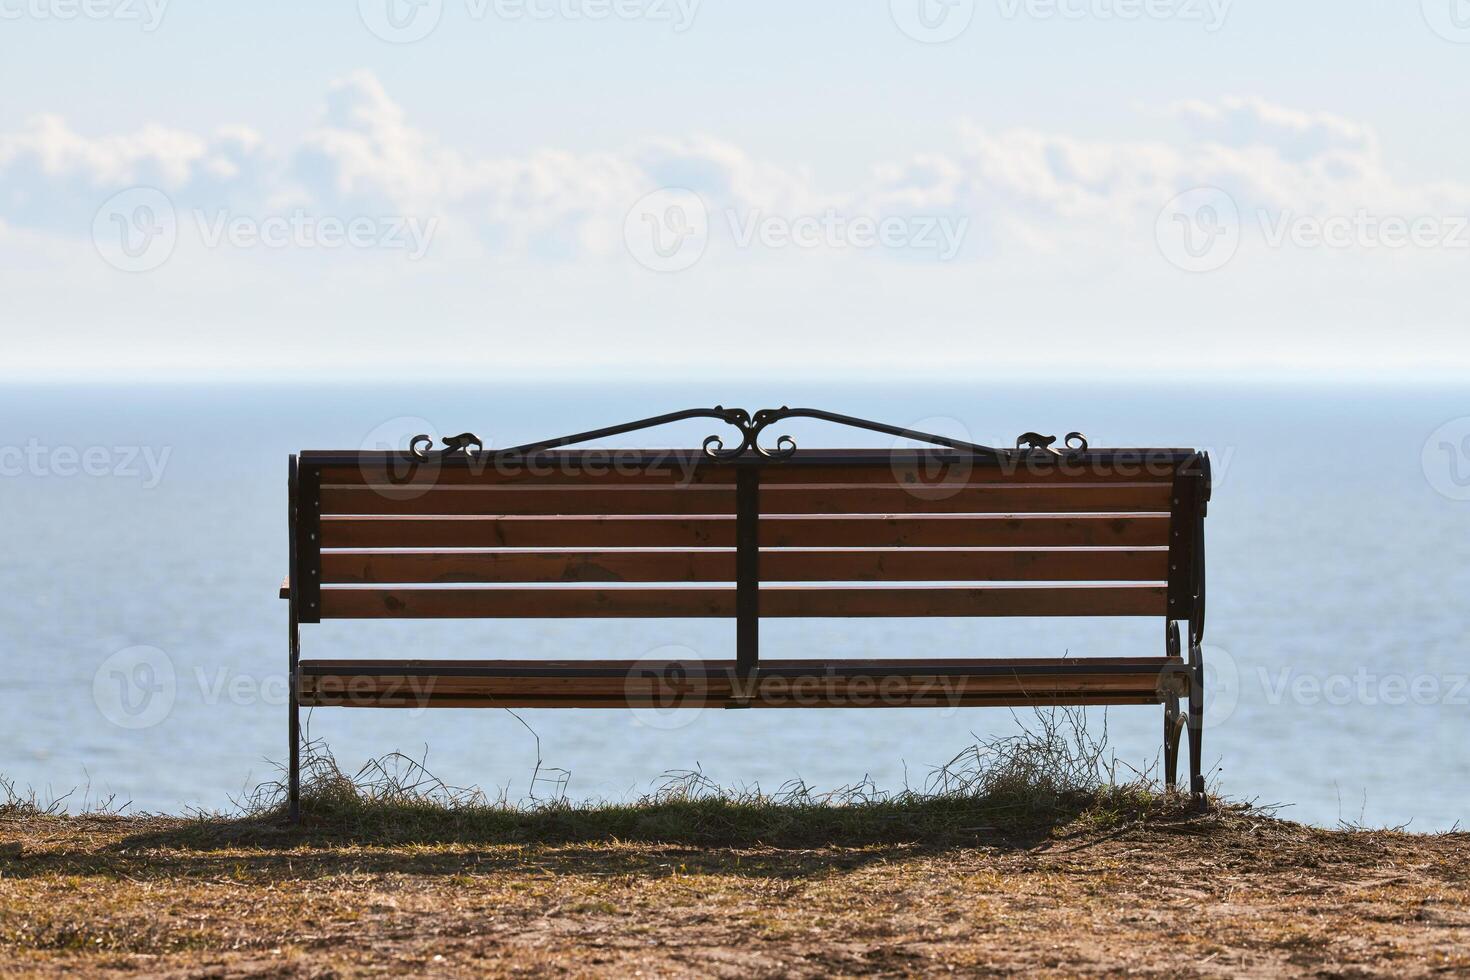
column 1173, row 719
column 293, row 784
column 293, row 727
column 1173, row 724
column 1196, row 720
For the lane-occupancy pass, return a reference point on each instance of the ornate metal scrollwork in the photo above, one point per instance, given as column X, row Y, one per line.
column 1075, row 442
column 750, row 427
column 421, row 446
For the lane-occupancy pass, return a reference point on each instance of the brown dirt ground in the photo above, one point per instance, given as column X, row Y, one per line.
column 1228, row 893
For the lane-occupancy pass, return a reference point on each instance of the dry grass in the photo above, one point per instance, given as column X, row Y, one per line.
column 993, row 870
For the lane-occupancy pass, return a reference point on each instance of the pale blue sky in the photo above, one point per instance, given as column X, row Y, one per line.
column 775, row 109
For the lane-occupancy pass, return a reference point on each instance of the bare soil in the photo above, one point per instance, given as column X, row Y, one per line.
column 1227, row 892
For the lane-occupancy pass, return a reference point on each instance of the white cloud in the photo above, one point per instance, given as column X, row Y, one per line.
column 1294, row 134
column 1061, row 236
column 366, row 156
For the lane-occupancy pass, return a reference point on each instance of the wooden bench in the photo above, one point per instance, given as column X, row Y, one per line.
column 744, row 532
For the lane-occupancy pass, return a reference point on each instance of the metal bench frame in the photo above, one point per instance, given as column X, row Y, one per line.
column 1178, row 678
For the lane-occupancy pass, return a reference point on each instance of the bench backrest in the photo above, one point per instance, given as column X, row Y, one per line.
column 628, row 533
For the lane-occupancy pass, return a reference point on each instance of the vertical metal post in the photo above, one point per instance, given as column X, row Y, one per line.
column 1183, row 540
column 306, row 567
column 747, row 572
column 1171, row 741
column 1197, row 634
column 293, row 784
column 1173, row 719
column 1196, row 722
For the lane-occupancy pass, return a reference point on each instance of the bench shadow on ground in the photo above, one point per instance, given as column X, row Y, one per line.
column 654, row 840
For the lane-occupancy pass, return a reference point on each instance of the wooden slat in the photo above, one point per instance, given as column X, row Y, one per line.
column 683, row 466
column 1069, row 600
column 593, row 469
column 962, row 531
column 525, row 603
column 901, row 471
column 776, row 601
column 846, row 565
column 966, row 565
column 878, row 531
column 616, row 702
column 387, row 567
column 1021, row 498
column 925, row 476
column 653, row 685
column 784, row 666
column 589, row 499
column 528, row 532
column 786, row 683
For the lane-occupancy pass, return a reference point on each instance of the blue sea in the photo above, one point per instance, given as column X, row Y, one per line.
column 143, row 646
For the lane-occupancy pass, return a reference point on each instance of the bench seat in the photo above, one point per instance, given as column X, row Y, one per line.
column 862, row 683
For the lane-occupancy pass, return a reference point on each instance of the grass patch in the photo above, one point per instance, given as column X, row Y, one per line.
column 1052, row 773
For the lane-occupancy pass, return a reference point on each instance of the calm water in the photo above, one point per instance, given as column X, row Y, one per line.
column 155, row 517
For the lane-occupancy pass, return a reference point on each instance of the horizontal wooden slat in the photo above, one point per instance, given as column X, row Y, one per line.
column 920, row 473
column 703, row 688
column 782, row 666
column 653, row 685
column 937, row 476
column 879, row 531
column 614, row 466
column 528, row 532
column 775, row 601
column 1070, row 600
column 590, row 470
column 966, row 565
column 788, row 683
column 615, row 702
column 846, row 565
column 588, row 499
column 527, row 566
column 1022, row 498
column 959, row 531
